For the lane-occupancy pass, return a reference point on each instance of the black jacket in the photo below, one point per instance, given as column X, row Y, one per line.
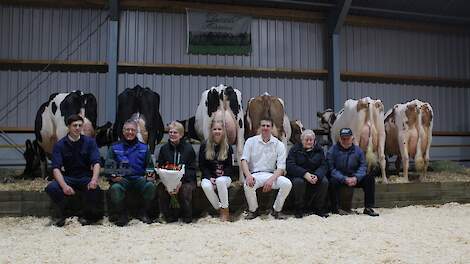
column 183, row 153
column 209, row 167
column 300, row 161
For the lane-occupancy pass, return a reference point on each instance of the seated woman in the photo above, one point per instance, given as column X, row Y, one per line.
column 215, row 162
column 306, row 168
column 178, row 152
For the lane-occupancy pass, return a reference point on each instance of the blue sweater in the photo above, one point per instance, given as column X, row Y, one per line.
column 77, row 158
column 344, row 163
column 135, row 153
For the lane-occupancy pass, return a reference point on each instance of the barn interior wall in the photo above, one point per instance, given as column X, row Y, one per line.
column 450, row 104
column 180, row 95
column 22, row 93
column 400, row 52
column 160, row 38
column 42, row 33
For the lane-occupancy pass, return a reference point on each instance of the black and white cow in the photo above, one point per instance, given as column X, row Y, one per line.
column 50, row 126
column 142, row 105
column 222, row 102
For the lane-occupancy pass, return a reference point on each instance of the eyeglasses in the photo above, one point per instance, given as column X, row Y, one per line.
column 128, row 129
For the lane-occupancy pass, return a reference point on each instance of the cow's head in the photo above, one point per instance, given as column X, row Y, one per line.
column 297, row 128
column 32, row 156
column 326, row 119
column 104, row 135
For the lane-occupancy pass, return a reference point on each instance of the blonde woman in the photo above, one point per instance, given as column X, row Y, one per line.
column 215, row 162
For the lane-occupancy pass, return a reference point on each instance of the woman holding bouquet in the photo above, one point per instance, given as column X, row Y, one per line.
column 173, row 155
column 215, row 162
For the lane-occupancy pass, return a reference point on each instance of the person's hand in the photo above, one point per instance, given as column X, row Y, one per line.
column 314, row 179
column 150, row 176
column 92, row 184
column 250, row 181
column 177, row 189
column 351, row 181
column 68, row 190
column 116, row 179
column 268, row 185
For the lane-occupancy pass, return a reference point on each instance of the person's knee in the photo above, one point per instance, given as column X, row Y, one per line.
column 149, row 191
column 324, row 183
column 297, row 183
column 117, row 193
column 206, row 185
column 285, row 184
column 221, row 181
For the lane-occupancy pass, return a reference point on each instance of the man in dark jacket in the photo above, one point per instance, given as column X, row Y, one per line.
column 349, row 170
column 78, row 155
column 306, row 168
column 134, row 156
column 178, row 152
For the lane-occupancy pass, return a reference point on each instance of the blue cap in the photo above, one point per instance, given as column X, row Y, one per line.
column 345, row 132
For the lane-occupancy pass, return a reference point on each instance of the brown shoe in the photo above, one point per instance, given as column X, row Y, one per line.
column 224, row 214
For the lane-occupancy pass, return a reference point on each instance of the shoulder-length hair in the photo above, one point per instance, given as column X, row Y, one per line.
column 223, row 145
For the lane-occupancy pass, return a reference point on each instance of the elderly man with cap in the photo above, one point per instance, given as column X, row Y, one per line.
column 349, row 170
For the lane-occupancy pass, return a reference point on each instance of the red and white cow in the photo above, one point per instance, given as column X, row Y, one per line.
column 297, row 128
column 268, row 106
column 408, row 128
column 222, row 102
column 365, row 117
column 50, row 125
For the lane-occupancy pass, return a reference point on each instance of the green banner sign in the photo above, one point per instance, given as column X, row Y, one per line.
column 218, row 33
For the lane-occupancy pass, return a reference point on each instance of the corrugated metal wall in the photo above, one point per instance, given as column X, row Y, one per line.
column 405, row 52
column 151, row 37
column 41, row 33
column 410, row 53
column 160, row 38
column 181, row 94
column 450, row 105
column 23, row 106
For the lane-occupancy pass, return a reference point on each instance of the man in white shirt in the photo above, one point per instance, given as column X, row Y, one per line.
column 264, row 163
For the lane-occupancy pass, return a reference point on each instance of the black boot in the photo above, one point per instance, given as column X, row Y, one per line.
column 61, row 216
column 123, row 218
column 143, row 215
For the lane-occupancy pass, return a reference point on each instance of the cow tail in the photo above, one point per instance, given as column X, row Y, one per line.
column 419, row 157
column 371, row 158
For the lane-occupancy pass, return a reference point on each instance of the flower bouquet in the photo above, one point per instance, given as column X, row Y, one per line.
column 170, row 175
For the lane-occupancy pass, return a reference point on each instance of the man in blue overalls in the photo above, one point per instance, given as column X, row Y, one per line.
column 78, row 155
column 133, row 155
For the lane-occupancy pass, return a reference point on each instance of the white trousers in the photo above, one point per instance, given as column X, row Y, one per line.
column 221, row 184
column 282, row 183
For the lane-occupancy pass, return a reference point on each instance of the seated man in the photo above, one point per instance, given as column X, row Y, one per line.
column 348, row 170
column 306, row 168
column 263, row 163
column 80, row 158
column 135, row 155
